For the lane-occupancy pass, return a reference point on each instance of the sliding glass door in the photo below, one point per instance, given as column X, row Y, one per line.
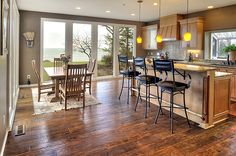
column 53, row 43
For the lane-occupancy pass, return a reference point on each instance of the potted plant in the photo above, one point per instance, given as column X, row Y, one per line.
column 231, row 50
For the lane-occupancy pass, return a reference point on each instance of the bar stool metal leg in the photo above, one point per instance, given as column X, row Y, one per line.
column 122, row 86
column 128, row 89
column 137, row 97
column 171, row 112
column 146, row 103
column 149, row 97
column 185, row 109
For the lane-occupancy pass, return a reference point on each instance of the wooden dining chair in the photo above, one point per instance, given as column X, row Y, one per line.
column 58, row 62
column 91, row 66
column 74, row 84
column 42, row 87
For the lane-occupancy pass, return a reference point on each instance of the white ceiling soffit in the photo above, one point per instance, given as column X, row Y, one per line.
column 119, row 9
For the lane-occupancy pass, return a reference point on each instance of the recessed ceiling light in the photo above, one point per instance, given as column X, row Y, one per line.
column 108, row 11
column 155, row 3
column 78, row 8
column 210, row 7
column 132, row 14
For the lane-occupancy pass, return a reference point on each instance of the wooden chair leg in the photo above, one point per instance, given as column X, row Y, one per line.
column 39, row 95
column 84, row 100
column 65, row 102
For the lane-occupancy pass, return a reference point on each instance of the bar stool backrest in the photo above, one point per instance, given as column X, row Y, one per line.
column 140, row 62
column 164, row 66
column 123, row 62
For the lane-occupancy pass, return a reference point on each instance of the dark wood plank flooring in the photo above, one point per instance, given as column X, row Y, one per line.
column 113, row 128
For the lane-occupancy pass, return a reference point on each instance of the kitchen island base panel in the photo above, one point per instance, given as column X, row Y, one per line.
column 200, row 97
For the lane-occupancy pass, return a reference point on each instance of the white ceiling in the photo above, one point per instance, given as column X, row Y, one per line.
column 120, row 9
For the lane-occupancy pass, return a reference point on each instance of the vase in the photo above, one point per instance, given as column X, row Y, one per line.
column 232, row 55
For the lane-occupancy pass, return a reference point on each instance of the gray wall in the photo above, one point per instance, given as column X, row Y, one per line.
column 30, row 21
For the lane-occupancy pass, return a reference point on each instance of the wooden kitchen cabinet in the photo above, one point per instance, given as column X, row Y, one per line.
column 221, row 103
column 195, row 27
column 149, row 37
column 233, row 81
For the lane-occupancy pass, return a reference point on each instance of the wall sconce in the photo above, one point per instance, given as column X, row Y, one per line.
column 29, row 37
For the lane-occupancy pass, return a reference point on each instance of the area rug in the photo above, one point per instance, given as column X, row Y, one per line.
column 45, row 106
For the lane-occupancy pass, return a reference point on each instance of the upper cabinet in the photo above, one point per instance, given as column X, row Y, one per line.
column 149, row 37
column 195, row 27
column 169, row 27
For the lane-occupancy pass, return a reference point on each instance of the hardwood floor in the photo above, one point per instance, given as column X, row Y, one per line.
column 113, row 128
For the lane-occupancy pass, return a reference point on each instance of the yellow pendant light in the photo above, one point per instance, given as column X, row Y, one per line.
column 159, row 38
column 139, row 38
column 187, row 35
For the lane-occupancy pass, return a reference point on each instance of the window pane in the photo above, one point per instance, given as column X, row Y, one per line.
column 105, row 50
column 126, row 36
column 53, row 43
column 81, row 43
column 219, row 41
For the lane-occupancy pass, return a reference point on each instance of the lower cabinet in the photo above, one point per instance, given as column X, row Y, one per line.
column 221, row 104
column 233, row 81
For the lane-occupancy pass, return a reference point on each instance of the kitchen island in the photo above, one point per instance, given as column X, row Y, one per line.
column 208, row 97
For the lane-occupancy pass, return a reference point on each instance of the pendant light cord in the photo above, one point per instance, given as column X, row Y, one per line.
column 187, row 15
column 139, row 10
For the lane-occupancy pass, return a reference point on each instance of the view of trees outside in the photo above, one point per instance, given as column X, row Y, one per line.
column 82, row 47
column 54, row 44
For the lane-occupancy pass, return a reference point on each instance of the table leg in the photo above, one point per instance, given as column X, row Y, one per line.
column 56, row 98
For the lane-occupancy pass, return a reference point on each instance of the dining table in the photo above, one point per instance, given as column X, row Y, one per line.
column 58, row 74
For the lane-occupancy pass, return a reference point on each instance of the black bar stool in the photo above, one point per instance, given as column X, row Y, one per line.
column 146, row 80
column 127, row 72
column 171, row 87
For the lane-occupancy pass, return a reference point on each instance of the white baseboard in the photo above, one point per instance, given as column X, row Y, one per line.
column 4, row 143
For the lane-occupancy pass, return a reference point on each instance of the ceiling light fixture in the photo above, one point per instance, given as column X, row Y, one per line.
column 139, row 38
column 78, row 8
column 108, row 11
column 159, row 37
column 187, row 35
column 155, row 3
column 132, row 14
column 210, row 7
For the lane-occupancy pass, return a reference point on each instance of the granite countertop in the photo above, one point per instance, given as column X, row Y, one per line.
column 195, row 68
column 207, row 64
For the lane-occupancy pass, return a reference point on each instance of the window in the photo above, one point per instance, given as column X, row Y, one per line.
column 105, row 50
column 219, row 40
column 84, row 41
column 126, row 36
column 82, row 48
column 53, row 43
